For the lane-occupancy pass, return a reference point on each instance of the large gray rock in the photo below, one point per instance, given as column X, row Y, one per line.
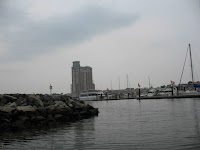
column 70, row 101
column 36, row 100
column 10, row 98
column 21, row 101
column 3, row 101
column 47, row 98
column 50, row 103
column 40, row 118
column 7, row 108
column 51, row 107
column 26, row 108
column 12, row 105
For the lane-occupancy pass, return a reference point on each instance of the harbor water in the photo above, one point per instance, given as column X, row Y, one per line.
column 122, row 124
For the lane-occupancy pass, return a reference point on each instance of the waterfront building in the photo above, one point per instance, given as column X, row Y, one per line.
column 82, row 79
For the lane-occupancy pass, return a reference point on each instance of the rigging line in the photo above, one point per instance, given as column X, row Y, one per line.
column 183, row 66
column 191, row 63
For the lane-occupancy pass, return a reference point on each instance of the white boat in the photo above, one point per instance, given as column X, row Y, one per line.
column 189, row 92
column 165, row 92
column 91, row 95
column 151, row 92
column 143, row 94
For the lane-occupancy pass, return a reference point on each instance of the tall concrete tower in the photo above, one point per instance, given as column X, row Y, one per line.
column 82, row 79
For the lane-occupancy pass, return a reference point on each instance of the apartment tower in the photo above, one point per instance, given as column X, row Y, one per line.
column 81, row 79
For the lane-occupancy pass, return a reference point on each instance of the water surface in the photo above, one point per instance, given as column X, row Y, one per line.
column 125, row 124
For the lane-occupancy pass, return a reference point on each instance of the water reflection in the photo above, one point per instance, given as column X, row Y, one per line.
column 71, row 134
column 196, row 117
column 24, row 136
column 84, row 133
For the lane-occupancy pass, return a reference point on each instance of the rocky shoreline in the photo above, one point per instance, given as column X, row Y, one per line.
column 19, row 111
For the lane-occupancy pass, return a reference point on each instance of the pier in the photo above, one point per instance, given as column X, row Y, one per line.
column 168, row 97
column 150, row 97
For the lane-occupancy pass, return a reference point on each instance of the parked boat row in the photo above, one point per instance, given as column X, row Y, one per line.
column 170, row 91
column 160, row 92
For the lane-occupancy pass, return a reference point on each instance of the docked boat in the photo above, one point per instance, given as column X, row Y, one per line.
column 189, row 92
column 151, row 92
column 91, row 95
column 165, row 92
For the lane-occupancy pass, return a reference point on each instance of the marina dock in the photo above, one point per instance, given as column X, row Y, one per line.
column 150, row 97
column 168, row 97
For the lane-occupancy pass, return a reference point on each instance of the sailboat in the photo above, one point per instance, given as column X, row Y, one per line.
column 192, row 86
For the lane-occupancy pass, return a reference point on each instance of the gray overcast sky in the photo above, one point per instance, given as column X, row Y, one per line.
column 40, row 39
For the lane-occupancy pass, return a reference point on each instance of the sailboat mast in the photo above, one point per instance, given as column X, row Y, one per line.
column 149, row 82
column 119, row 83
column 127, row 79
column 191, row 63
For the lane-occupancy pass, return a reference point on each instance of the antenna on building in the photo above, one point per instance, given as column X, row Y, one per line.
column 50, row 87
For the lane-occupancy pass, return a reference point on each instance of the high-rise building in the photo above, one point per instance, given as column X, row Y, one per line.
column 81, row 79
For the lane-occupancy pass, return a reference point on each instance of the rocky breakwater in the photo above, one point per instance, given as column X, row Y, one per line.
column 25, row 110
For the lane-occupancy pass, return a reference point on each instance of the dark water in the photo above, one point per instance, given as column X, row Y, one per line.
column 126, row 124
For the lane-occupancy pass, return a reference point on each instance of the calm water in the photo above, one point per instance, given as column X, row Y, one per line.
column 126, row 124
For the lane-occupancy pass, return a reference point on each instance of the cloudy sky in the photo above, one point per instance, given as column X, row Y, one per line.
column 140, row 39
